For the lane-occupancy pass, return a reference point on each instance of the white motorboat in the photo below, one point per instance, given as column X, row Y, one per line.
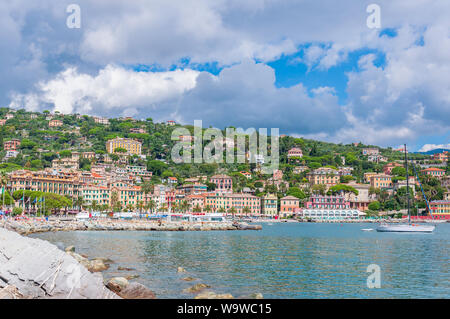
column 367, row 229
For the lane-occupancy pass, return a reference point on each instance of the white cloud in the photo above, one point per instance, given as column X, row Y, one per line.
column 429, row 147
column 243, row 95
column 113, row 90
column 408, row 97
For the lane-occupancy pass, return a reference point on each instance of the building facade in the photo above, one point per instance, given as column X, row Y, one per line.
column 224, row 183
column 324, row 175
column 288, row 205
column 269, row 205
column 133, row 147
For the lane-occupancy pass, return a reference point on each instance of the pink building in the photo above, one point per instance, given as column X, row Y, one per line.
column 224, row 183
column 327, row 202
column 294, row 152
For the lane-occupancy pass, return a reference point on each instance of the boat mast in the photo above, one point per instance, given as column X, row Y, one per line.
column 407, row 186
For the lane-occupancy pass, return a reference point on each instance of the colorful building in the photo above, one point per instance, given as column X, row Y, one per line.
column 387, row 169
column 132, row 146
column 224, row 183
column 370, row 151
column 288, row 205
column 440, row 208
column 323, row 175
column 55, row 123
column 11, row 145
column 269, row 205
column 433, row 171
column 294, row 152
column 327, row 202
column 381, row 181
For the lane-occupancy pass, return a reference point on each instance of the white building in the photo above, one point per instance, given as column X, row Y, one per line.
column 324, row 214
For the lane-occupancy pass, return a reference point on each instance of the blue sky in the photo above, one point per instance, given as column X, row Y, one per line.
column 312, row 69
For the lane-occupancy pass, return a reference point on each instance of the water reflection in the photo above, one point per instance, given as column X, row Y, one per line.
column 281, row 261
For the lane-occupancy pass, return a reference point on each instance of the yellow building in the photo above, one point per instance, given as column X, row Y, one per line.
column 99, row 194
column 381, row 181
column 62, row 183
column 440, row 208
column 237, row 200
column 132, row 146
column 323, row 175
column 270, row 205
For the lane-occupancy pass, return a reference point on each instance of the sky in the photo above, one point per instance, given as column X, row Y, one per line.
column 314, row 69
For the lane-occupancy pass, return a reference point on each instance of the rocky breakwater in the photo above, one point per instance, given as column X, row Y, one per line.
column 34, row 268
column 31, row 225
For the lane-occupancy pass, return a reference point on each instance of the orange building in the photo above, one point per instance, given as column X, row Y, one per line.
column 11, row 145
column 288, row 205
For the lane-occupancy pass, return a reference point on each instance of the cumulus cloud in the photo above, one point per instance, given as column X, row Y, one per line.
column 81, row 70
column 243, row 95
column 114, row 90
column 429, row 147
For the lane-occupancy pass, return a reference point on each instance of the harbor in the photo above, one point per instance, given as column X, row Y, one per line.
column 283, row 260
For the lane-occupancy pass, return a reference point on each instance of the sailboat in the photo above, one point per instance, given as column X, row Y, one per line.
column 406, row 227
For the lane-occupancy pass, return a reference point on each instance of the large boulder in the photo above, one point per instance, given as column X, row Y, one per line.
column 40, row 270
column 10, row 292
column 136, row 291
column 117, row 284
column 196, row 288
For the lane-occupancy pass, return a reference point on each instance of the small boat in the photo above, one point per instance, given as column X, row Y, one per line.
column 367, row 229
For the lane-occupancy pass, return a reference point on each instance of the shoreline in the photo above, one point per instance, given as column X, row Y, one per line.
column 40, row 225
column 54, row 273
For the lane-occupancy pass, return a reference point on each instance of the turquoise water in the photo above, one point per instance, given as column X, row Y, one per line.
column 287, row 260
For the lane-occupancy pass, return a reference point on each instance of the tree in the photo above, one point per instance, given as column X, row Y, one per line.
column 232, row 211
column 399, row 171
column 79, row 202
column 157, row 167
column 151, row 205
column 375, row 205
column 246, row 210
column 27, row 144
column 115, row 203
column 346, row 178
column 342, row 188
column 65, row 153
column 120, row 150
column 296, row 192
column 319, row 189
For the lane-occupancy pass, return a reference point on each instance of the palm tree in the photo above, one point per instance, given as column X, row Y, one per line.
column 94, row 205
column 208, row 208
column 114, row 200
column 151, row 205
column 232, row 211
column 246, row 210
column 3, row 183
column 140, row 205
column 184, row 206
column 79, row 202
